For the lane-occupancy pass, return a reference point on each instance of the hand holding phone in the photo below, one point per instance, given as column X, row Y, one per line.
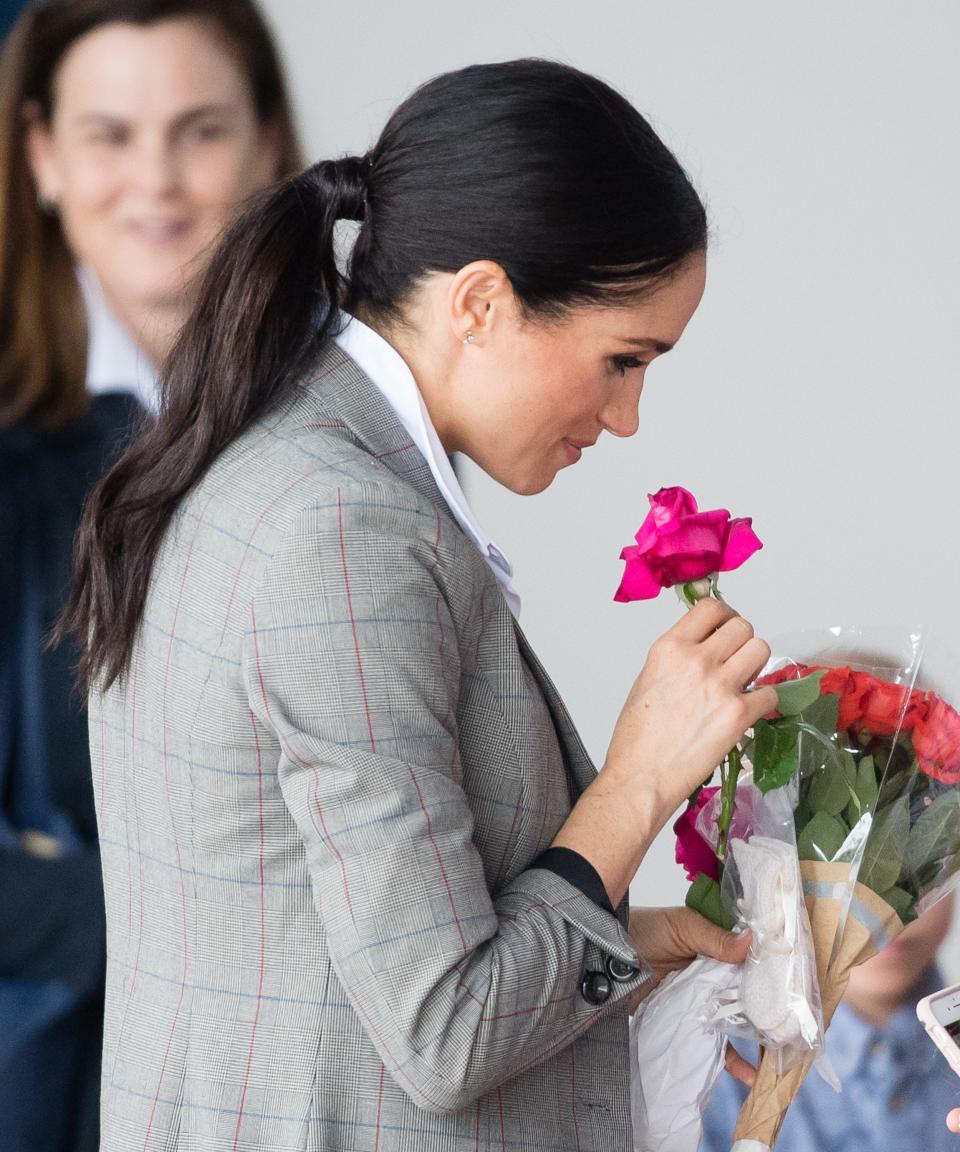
column 940, row 1015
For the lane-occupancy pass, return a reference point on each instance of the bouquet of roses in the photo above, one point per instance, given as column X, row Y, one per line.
column 836, row 820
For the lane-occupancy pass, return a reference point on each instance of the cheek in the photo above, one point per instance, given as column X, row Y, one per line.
column 89, row 203
column 220, row 178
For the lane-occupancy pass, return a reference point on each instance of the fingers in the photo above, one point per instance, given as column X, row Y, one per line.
column 700, row 937
column 743, row 1070
column 703, row 619
column 746, row 662
column 729, row 639
column 953, row 1120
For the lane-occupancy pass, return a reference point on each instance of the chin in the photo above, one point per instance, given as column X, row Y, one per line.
column 530, row 485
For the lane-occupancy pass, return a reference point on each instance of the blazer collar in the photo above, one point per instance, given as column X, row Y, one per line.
column 354, row 403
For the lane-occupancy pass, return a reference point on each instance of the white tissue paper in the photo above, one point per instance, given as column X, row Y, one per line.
column 676, row 1056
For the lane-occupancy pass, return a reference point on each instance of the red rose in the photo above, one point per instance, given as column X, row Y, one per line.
column 936, row 741
column 692, row 851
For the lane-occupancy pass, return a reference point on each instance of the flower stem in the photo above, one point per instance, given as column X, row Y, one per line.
column 728, row 796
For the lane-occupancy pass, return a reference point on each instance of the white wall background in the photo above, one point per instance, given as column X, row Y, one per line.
column 815, row 390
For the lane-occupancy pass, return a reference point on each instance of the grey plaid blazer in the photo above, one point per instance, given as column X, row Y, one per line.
column 319, row 786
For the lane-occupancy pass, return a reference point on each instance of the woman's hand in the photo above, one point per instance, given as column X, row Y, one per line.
column 669, row 938
column 953, row 1120
column 686, row 710
column 689, row 706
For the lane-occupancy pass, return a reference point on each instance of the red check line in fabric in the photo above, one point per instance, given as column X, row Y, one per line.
column 256, row 1015
column 376, row 1146
column 366, row 705
column 173, row 829
column 285, row 743
column 573, row 1094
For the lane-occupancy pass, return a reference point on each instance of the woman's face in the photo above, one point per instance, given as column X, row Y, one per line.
column 531, row 397
column 153, row 141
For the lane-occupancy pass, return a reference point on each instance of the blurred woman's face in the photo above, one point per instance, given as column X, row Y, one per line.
column 153, row 142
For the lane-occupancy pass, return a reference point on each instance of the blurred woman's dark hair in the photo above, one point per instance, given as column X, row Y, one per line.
column 42, row 326
column 534, row 165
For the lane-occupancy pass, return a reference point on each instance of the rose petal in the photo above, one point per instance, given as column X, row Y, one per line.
column 666, row 506
column 741, row 544
column 639, row 581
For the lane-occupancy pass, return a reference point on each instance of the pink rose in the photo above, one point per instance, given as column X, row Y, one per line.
column 693, row 852
column 677, row 544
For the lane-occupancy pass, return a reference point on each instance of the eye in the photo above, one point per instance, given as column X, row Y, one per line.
column 623, row 364
column 110, row 136
column 206, row 131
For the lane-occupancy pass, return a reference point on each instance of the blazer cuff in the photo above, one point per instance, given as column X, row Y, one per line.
column 576, row 870
column 602, row 928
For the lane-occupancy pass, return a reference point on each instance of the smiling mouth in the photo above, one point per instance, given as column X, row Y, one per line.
column 160, row 231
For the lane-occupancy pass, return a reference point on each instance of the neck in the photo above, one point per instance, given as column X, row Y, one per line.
column 430, row 372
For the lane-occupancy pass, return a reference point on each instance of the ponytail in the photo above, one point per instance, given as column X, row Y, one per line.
column 267, row 304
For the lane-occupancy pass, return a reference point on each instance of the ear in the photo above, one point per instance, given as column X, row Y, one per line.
column 480, row 297
column 42, row 155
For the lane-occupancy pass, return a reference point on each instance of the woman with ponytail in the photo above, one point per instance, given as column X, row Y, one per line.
column 130, row 130
column 365, row 889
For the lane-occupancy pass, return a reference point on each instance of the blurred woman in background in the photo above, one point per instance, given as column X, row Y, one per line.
column 130, row 131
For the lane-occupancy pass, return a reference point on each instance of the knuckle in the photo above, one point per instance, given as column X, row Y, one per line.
column 763, row 649
column 744, row 624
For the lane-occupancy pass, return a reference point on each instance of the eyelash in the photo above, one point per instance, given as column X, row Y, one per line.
column 623, row 364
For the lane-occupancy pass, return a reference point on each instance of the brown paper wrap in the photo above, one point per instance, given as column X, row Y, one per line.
column 765, row 1107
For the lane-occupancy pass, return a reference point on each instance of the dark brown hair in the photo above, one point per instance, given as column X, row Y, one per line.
column 42, row 326
column 543, row 169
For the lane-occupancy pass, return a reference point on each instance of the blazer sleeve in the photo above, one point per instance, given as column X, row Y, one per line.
column 352, row 660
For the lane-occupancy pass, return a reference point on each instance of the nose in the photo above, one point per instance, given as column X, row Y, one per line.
column 621, row 415
column 156, row 168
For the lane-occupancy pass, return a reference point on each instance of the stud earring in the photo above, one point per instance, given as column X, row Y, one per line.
column 468, row 339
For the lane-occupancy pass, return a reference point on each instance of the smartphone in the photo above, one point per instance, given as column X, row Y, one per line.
column 940, row 1015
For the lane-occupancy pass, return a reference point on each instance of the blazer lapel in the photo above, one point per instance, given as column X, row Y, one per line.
column 581, row 771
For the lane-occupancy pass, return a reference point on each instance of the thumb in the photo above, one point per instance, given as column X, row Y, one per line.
column 707, row 939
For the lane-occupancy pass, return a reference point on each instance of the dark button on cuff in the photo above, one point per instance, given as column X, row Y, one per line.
column 595, row 988
column 620, row 971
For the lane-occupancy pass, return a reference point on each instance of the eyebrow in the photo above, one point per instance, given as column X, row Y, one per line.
column 659, row 346
column 181, row 121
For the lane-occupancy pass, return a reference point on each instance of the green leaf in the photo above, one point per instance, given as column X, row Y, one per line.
column 823, row 714
column 883, row 854
column 901, row 902
column 936, row 834
column 703, row 896
column 822, row 837
column 866, row 791
column 817, row 741
column 774, row 753
column 793, row 696
column 833, row 787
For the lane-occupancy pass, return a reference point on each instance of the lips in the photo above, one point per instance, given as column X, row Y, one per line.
column 160, row 231
column 575, row 447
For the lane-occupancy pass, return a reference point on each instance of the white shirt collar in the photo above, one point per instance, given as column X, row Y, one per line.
column 115, row 363
column 389, row 372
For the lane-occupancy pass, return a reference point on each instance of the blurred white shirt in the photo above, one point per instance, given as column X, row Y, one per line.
column 115, row 362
